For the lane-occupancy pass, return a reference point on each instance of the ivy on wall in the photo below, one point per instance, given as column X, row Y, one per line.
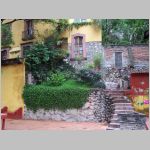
column 6, row 35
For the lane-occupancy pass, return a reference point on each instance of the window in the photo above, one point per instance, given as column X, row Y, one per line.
column 118, row 59
column 4, row 53
column 78, row 46
column 28, row 27
column 24, row 48
column 79, row 20
column 28, row 30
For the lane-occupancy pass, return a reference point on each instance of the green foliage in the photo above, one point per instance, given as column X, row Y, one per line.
column 100, row 84
column 61, row 25
column 62, row 98
column 56, row 79
column 43, row 57
column 89, row 76
column 124, row 31
column 6, row 35
column 98, row 61
column 74, row 84
column 90, row 66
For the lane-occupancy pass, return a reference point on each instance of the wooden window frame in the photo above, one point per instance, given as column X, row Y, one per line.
column 72, row 55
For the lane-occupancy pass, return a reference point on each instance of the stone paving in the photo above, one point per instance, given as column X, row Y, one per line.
column 53, row 125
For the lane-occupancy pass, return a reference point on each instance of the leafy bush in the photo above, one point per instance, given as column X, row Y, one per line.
column 44, row 56
column 89, row 66
column 89, row 76
column 100, row 84
column 56, row 79
column 67, row 70
column 6, row 35
column 39, row 96
column 98, row 61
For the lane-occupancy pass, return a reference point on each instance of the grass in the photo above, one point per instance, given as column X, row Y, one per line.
column 74, row 84
column 70, row 84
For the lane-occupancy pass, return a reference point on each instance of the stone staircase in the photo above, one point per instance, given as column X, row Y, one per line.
column 122, row 106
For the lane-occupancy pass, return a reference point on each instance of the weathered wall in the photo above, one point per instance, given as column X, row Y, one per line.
column 138, row 54
column 98, row 108
column 92, row 49
column 12, row 79
column 139, row 82
column 17, row 27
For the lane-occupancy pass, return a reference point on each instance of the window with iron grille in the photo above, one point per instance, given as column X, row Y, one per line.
column 28, row 32
column 29, row 27
column 118, row 59
column 78, row 46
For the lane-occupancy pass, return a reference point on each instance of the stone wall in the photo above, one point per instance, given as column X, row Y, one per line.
column 134, row 58
column 131, row 55
column 98, row 108
column 92, row 49
column 116, row 78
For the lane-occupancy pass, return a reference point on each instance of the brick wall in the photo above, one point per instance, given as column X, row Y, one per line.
column 131, row 55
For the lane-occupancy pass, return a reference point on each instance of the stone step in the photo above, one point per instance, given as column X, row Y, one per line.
column 115, row 91
column 114, row 125
column 116, row 94
column 114, row 120
column 122, row 104
column 115, row 116
column 120, row 101
column 123, row 111
column 123, row 108
column 117, row 97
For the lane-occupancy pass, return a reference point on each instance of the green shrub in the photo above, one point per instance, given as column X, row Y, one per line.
column 98, row 61
column 67, row 70
column 56, row 79
column 40, row 96
column 6, row 35
column 100, row 84
column 89, row 76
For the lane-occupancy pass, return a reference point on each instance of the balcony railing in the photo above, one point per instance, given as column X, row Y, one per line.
column 27, row 35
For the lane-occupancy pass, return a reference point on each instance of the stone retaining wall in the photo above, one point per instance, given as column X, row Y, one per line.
column 97, row 109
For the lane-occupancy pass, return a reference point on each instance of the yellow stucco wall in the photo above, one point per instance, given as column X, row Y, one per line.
column 12, row 83
column 92, row 33
column 17, row 27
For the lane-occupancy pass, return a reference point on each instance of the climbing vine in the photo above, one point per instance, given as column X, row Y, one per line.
column 6, row 35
